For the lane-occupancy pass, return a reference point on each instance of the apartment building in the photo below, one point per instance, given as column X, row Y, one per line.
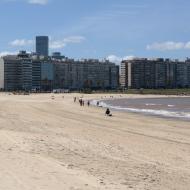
column 155, row 73
column 42, row 45
column 17, row 72
column 30, row 71
column 87, row 73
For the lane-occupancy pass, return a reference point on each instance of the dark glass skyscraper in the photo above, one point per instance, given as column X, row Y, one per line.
column 42, row 45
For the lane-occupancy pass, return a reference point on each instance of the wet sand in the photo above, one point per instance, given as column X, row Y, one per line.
column 49, row 142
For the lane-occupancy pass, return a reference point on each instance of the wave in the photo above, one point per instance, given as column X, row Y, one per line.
column 159, row 105
column 153, row 104
column 171, row 105
column 164, row 113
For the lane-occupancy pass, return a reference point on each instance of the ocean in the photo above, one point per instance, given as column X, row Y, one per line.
column 178, row 107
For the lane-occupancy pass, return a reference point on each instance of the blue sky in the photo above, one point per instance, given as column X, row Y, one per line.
column 98, row 28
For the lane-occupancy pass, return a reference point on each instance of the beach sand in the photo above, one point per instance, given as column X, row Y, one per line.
column 51, row 143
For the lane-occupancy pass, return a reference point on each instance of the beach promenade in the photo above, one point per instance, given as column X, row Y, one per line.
column 48, row 142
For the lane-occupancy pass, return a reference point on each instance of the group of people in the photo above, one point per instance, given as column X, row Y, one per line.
column 81, row 101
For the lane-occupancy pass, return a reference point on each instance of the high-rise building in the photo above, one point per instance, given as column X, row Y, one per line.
column 155, row 73
column 17, row 72
column 47, row 76
column 27, row 72
column 36, row 74
column 57, row 55
column 2, row 74
column 42, row 45
column 88, row 73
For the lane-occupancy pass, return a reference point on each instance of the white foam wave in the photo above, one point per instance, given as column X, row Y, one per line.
column 164, row 113
column 153, row 104
column 171, row 105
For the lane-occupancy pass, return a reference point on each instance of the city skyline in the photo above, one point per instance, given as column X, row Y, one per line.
column 87, row 29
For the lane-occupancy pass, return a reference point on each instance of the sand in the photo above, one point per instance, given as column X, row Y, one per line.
column 51, row 143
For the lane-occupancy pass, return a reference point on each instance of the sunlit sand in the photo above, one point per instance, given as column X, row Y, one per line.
column 48, row 142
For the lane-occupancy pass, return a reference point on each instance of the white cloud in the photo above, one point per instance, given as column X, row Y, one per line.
column 129, row 57
column 39, row 2
column 54, row 44
column 4, row 53
column 59, row 44
column 74, row 39
column 21, row 42
column 114, row 59
column 187, row 45
column 117, row 60
column 169, row 45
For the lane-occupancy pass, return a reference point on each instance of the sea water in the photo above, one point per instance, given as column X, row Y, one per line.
column 178, row 107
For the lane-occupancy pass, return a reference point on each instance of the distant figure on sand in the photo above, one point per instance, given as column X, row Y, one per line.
column 108, row 113
column 74, row 99
column 88, row 103
column 98, row 103
column 80, row 102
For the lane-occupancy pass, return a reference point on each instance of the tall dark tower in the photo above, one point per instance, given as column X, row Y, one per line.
column 42, row 45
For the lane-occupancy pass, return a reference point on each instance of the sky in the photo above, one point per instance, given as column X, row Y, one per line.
column 114, row 29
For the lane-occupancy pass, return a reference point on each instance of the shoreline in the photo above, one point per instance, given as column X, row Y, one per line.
column 158, row 113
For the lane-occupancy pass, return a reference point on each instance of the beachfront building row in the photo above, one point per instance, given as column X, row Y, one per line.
column 33, row 72
column 155, row 73
column 86, row 74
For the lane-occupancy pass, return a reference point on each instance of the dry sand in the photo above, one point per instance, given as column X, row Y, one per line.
column 54, row 144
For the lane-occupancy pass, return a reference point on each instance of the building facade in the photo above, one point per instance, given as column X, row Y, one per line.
column 2, row 74
column 17, row 72
column 155, row 73
column 36, row 74
column 86, row 73
column 42, row 45
column 28, row 72
column 47, row 76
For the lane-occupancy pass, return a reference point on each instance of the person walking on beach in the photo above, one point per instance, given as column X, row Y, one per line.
column 80, row 102
column 75, row 99
column 88, row 103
